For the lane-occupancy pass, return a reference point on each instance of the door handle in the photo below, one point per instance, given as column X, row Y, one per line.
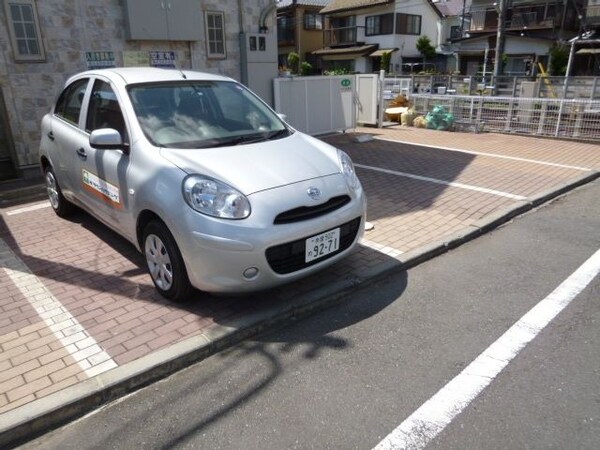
column 81, row 153
column 50, row 135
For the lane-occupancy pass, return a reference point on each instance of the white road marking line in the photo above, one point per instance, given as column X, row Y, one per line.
column 447, row 183
column 390, row 251
column 493, row 155
column 13, row 212
column 433, row 416
column 92, row 359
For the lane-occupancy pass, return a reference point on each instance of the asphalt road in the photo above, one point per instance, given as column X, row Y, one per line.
column 347, row 376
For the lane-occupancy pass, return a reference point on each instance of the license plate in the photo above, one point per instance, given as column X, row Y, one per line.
column 322, row 244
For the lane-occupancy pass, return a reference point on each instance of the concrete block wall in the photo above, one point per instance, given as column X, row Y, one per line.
column 69, row 29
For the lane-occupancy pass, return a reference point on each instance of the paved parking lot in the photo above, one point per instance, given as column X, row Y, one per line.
column 76, row 302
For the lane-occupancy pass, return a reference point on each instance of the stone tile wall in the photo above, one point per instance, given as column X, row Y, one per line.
column 69, row 29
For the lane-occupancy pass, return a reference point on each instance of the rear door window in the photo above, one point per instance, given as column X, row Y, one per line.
column 70, row 101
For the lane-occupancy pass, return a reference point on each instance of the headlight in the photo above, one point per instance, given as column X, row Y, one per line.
column 215, row 198
column 348, row 170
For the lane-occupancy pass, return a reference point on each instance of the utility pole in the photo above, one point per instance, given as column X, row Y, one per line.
column 501, row 8
column 462, row 19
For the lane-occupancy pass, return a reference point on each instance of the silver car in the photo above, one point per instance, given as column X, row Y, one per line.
column 216, row 190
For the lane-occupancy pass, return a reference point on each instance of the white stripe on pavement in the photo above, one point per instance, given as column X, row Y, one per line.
column 92, row 359
column 390, row 251
column 492, row 155
column 447, row 183
column 14, row 212
column 433, row 416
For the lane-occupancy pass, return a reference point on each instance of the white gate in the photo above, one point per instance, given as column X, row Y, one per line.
column 317, row 105
column 367, row 87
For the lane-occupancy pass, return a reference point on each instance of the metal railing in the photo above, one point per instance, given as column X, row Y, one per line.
column 592, row 14
column 339, row 36
column 505, row 86
column 562, row 118
column 286, row 35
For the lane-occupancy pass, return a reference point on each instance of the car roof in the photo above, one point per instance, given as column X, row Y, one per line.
column 134, row 75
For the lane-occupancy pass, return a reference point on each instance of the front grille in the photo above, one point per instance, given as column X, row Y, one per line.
column 289, row 257
column 310, row 212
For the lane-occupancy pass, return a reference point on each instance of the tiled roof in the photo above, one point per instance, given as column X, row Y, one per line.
column 358, row 50
column 452, row 7
column 344, row 5
column 286, row 3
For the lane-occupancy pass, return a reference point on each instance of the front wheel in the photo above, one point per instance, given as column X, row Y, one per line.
column 61, row 206
column 165, row 262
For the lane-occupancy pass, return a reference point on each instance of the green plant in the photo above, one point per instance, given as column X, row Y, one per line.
column 425, row 48
column 559, row 58
column 338, row 71
column 293, row 59
column 305, row 68
column 385, row 61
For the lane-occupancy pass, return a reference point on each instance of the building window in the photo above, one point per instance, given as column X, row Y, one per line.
column 285, row 30
column 455, row 32
column 408, row 24
column 215, row 34
column 381, row 24
column 342, row 31
column 24, row 30
column 313, row 21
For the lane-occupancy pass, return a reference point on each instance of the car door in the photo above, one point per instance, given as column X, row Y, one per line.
column 65, row 136
column 103, row 172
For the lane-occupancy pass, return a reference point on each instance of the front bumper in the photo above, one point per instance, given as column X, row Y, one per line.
column 254, row 253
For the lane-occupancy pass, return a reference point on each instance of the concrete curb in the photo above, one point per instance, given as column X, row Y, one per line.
column 11, row 195
column 31, row 420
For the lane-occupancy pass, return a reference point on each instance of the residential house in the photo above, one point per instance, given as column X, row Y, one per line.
column 455, row 20
column 299, row 29
column 531, row 29
column 359, row 32
column 586, row 59
column 43, row 42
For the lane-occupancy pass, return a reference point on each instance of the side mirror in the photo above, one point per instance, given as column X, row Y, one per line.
column 108, row 139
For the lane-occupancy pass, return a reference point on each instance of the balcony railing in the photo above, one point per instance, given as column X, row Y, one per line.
column 517, row 20
column 592, row 14
column 340, row 36
column 286, row 35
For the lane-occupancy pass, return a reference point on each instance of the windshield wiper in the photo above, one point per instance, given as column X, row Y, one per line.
column 237, row 140
column 251, row 138
column 277, row 134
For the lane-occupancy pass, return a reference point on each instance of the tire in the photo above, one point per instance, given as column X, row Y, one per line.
column 61, row 206
column 165, row 262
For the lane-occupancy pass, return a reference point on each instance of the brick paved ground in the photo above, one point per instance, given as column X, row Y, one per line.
column 75, row 298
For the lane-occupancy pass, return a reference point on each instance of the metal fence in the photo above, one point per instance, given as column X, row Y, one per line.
column 574, row 119
column 502, row 86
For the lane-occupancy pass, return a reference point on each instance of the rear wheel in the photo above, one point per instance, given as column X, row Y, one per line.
column 165, row 262
column 61, row 206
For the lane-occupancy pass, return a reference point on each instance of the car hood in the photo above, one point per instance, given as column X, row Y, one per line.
column 260, row 166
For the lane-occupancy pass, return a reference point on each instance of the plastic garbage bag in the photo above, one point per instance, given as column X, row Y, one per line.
column 440, row 119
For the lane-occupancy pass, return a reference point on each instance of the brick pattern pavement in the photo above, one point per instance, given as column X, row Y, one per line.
column 550, row 150
column 100, row 280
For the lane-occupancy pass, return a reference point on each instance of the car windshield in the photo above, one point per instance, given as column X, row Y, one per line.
column 199, row 114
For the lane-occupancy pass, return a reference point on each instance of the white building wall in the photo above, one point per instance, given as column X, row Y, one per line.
column 406, row 44
column 515, row 46
column 429, row 26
